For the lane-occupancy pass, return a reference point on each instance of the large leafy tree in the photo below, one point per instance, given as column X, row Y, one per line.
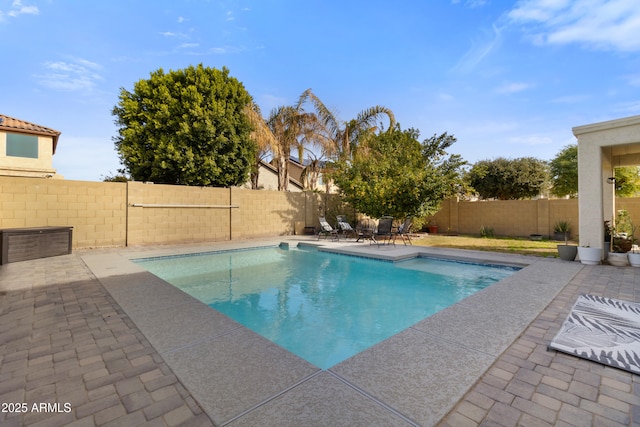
column 627, row 181
column 564, row 175
column 392, row 173
column 564, row 172
column 186, row 127
column 509, row 179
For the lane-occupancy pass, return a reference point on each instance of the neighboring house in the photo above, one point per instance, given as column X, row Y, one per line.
column 296, row 170
column 268, row 179
column 27, row 149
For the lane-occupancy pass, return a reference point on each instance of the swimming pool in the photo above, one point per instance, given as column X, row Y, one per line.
column 323, row 307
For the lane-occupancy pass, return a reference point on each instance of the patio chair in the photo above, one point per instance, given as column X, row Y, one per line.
column 404, row 229
column 344, row 227
column 384, row 231
column 326, row 229
column 364, row 230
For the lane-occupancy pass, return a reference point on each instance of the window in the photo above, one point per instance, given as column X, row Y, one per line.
column 19, row 145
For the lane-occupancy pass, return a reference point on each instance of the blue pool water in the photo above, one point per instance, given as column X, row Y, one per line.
column 323, row 307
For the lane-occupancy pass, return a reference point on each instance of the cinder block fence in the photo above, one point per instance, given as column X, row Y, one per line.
column 114, row 214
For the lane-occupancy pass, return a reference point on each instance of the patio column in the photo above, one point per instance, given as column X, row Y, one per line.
column 591, row 179
column 601, row 147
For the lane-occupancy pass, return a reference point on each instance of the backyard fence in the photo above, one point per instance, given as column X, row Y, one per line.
column 517, row 217
column 114, row 214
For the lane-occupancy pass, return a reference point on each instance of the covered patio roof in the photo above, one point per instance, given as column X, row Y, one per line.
column 602, row 147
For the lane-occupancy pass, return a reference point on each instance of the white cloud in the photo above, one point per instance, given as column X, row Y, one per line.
column 598, row 24
column 173, row 34
column 479, row 50
column 513, row 87
column 188, row 45
column 17, row 9
column 218, row 50
column 78, row 74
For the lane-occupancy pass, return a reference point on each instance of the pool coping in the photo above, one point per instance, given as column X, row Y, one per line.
column 239, row 377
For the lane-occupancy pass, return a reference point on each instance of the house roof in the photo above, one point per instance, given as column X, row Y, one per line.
column 10, row 124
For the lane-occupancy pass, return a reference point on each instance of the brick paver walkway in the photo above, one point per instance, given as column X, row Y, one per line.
column 532, row 386
column 69, row 356
column 65, row 342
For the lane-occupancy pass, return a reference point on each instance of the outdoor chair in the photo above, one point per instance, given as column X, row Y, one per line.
column 384, row 232
column 326, row 229
column 364, row 230
column 404, row 229
column 344, row 226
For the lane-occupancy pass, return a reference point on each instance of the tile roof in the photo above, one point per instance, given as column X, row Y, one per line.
column 10, row 124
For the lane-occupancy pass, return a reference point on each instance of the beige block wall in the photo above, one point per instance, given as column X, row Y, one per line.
column 264, row 213
column 518, row 217
column 161, row 214
column 506, row 217
column 96, row 211
column 107, row 214
column 130, row 214
column 564, row 210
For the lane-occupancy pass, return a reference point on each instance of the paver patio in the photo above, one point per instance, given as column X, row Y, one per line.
column 64, row 339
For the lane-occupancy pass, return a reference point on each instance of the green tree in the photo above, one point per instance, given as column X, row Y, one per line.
column 186, row 127
column 509, row 179
column 392, row 173
column 564, row 175
column 627, row 181
column 564, row 172
column 121, row 176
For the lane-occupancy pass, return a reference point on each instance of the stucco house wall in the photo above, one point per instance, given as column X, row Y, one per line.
column 27, row 149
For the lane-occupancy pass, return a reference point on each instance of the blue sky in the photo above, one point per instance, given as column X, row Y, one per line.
column 507, row 78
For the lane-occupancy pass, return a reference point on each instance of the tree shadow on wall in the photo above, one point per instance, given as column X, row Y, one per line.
column 307, row 206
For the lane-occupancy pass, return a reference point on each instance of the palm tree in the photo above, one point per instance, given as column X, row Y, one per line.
column 291, row 127
column 342, row 138
column 286, row 128
column 263, row 137
column 311, row 172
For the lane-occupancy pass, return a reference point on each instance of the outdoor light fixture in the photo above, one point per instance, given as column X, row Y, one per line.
column 611, row 180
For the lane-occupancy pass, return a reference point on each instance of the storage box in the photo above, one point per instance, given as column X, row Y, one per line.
column 21, row 244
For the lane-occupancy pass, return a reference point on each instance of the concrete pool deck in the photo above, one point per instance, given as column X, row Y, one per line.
column 173, row 360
